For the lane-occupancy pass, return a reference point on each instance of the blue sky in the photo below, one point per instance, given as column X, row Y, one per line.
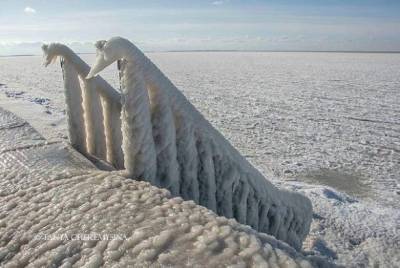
column 202, row 25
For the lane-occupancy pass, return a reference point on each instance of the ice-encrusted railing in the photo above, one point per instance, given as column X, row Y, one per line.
column 93, row 108
column 153, row 132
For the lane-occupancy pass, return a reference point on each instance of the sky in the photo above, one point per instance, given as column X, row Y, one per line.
column 310, row 25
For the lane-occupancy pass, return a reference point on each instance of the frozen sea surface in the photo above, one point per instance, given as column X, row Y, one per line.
column 325, row 118
column 319, row 118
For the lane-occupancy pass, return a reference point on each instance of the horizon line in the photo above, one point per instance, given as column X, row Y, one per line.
column 234, row 50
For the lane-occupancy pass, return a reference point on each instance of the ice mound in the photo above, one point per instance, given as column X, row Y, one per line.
column 58, row 210
column 167, row 142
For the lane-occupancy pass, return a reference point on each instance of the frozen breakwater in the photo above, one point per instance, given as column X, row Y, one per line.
column 57, row 209
column 167, row 142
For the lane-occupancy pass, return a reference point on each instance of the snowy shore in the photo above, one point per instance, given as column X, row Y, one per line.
column 306, row 128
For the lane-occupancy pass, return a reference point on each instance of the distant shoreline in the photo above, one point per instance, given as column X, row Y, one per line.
column 216, row 50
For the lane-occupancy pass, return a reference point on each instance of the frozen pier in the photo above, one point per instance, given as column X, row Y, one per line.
column 58, row 210
column 152, row 132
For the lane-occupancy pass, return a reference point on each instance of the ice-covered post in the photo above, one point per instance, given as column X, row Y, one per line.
column 112, row 121
column 74, row 109
column 137, row 143
column 93, row 113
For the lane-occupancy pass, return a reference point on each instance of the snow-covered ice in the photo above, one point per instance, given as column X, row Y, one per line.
column 298, row 116
column 355, row 234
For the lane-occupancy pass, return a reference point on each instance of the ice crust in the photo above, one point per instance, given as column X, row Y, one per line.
column 167, row 142
column 58, row 210
column 357, row 234
column 350, row 232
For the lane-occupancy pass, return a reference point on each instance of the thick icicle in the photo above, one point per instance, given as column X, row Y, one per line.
column 165, row 140
column 138, row 145
column 187, row 158
column 112, row 124
column 74, row 108
column 206, row 173
column 94, row 120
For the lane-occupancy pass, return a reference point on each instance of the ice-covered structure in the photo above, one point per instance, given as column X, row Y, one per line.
column 93, row 108
column 167, row 142
column 58, row 210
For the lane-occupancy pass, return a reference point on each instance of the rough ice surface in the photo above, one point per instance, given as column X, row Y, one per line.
column 58, row 210
column 352, row 233
column 250, row 98
column 212, row 172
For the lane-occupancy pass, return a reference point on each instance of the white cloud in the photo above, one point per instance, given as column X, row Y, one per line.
column 29, row 10
column 220, row 2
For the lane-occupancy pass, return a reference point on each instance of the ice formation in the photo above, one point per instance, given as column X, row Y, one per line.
column 93, row 108
column 58, row 210
column 167, row 142
column 253, row 108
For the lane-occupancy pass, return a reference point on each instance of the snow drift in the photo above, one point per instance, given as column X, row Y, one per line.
column 167, row 142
